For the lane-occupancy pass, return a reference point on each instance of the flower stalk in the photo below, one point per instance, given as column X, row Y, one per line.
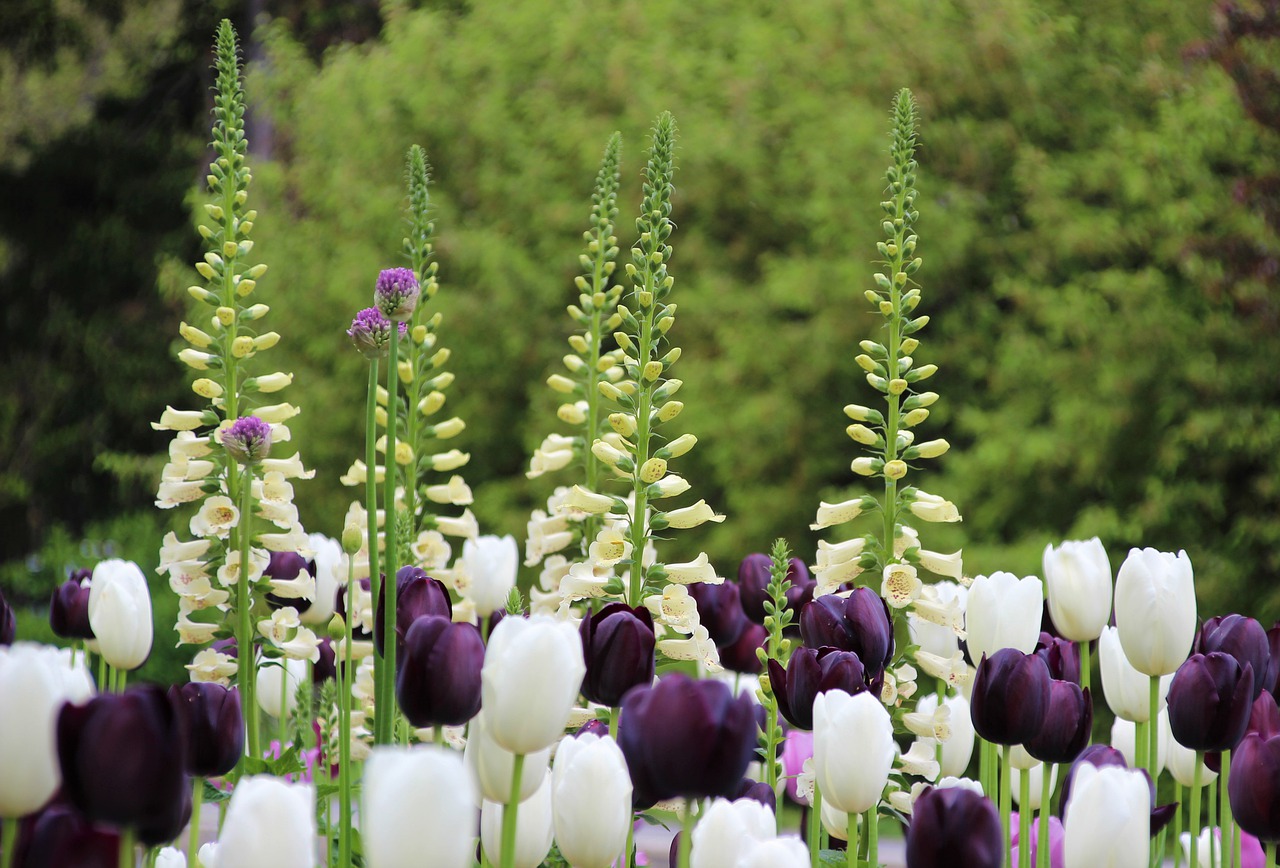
column 245, row 653
column 386, row 715
column 778, row 617
column 509, row 813
column 1044, row 814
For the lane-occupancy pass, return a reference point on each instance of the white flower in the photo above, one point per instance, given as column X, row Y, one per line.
column 1156, row 610
column 185, row 444
column 532, row 671
column 455, row 492
column 490, row 765
column 1128, row 691
column 1035, row 783
column 179, row 420
column 1123, row 736
column 1108, row 819
column 674, row 608
column 229, row 572
column 900, row 585
column 216, row 518
column 691, row 516
column 727, row 831
column 533, row 829
column 1003, row 611
column 173, row 551
column 431, row 549
column 330, row 573
column 697, row 570
column 585, row 581
column 289, row 468
column 211, row 665
column 697, row 647
column 545, row 535
column 490, row 563
column 938, row 617
column 194, row 632
column 280, row 626
column 412, row 795
column 120, row 613
column 853, row 749
column 1077, row 577
column 171, row 493
column 588, row 502
column 955, row 731
column 268, row 822
column 275, row 696
column 591, row 800
column 920, row 760
column 830, row 514
column 610, row 546
column 931, row 507
column 464, row 525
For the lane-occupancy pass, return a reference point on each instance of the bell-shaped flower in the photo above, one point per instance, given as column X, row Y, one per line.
column 1156, row 610
column 533, row 669
column 753, row 584
column 1077, row 577
column 728, row 830
column 853, row 749
column 809, row 673
column 1010, row 697
column 69, row 608
column 490, row 563
column 534, row 829
column 1127, row 690
column 268, row 822
column 1245, row 640
column 591, row 801
column 617, row 646
column 664, row 733
column 954, row 827
column 120, row 613
column 122, row 757
column 1003, row 611
column 939, row 639
column 1210, row 700
column 416, row 795
column 957, row 746
column 1068, row 724
column 212, row 726
column 1108, row 819
column 860, row 623
column 490, row 765
column 35, row 680
column 438, row 680
column 329, row 571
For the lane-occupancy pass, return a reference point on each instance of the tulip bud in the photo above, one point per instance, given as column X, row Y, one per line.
column 860, row 623
column 728, row 831
column 617, row 647
column 1003, row 611
column 809, row 673
column 1010, row 697
column 853, row 749
column 1127, row 690
column 1155, row 610
column 438, row 680
column 954, row 827
column 268, row 822
column 591, row 800
column 1067, row 727
column 534, row 830
column 532, row 672
column 68, row 610
column 412, row 795
column 417, row 595
column 1254, row 786
column 490, row 765
column 1108, row 819
column 120, row 613
column 1210, row 699
column 1245, row 640
column 490, row 562
column 212, row 726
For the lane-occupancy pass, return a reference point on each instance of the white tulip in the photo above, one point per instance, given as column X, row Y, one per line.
column 1181, row 761
column 268, row 822
column 1108, row 819
column 35, row 680
column 412, row 795
column 490, row 765
column 1156, row 610
column 1035, row 782
column 957, row 749
column 532, row 671
column 837, row 822
column 330, row 572
column 171, row 857
column 272, row 691
column 1127, row 690
column 490, row 564
column 120, row 613
column 1003, row 611
column 1208, row 847
column 727, row 831
column 533, row 829
column 1077, row 577
column 591, row 800
column 939, row 639
column 1123, row 734
column 789, row 852
column 853, row 749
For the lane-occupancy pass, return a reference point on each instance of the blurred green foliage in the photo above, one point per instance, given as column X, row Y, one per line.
column 1098, row 263
column 1104, row 368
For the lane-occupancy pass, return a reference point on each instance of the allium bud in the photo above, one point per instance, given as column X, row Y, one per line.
column 248, row 440
column 370, row 333
column 396, row 293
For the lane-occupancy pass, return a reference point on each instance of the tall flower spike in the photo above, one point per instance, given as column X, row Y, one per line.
column 887, row 435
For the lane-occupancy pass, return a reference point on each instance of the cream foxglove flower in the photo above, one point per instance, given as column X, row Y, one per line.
column 699, row 570
column 691, row 516
column 831, row 514
column 697, row 646
column 610, row 545
column 211, row 665
column 674, row 608
column 900, row 585
column 931, row 507
column 455, row 492
column 464, row 526
column 431, row 549
column 216, row 518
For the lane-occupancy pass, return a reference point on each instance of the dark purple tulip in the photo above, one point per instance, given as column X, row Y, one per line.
column 595, row 726
column 686, row 738
column 1062, row 657
column 720, row 611
column 617, row 646
column 166, row 825
column 1264, row 716
column 1209, row 702
column 69, row 609
column 1254, row 787
column 340, row 607
column 8, row 623
column 756, row 791
column 1068, row 724
column 1273, row 671
column 212, row 726
column 122, row 758
column 438, row 681
column 326, row 668
column 1010, row 697
column 860, row 623
column 753, row 585
column 285, row 566
column 809, row 673
column 60, row 837
column 1244, row 639
column 417, row 594
column 741, row 655
column 954, row 828
column 1096, row 755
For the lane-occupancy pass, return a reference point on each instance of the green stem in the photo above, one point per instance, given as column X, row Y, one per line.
column 1213, row 818
column 1178, row 813
column 193, row 841
column 244, row 632
column 9, row 828
column 631, row 844
column 850, row 850
column 1046, row 796
column 371, row 508
column 128, row 852
column 1086, row 669
column 509, row 812
column 345, row 682
column 103, row 687
column 686, row 835
column 386, row 699
column 1271, row 853
column 1193, row 819
column 614, row 714
column 771, row 742
column 873, row 837
column 282, row 722
column 1153, row 745
column 1024, row 819
column 815, row 823
column 1006, row 800
column 1228, row 851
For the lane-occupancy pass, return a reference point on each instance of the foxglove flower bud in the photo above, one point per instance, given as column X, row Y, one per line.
column 212, row 725
column 809, row 673
column 617, row 646
column 370, row 333
column 396, row 294
column 753, row 585
column 1209, row 702
column 248, row 440
column 1010, row 697
column 954, row 827
column 438, row 680
column 69, row 608
column 664, row 732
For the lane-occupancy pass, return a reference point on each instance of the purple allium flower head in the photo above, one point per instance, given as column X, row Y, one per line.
column 370, row 331
column 248, row 440
column 396, row 293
